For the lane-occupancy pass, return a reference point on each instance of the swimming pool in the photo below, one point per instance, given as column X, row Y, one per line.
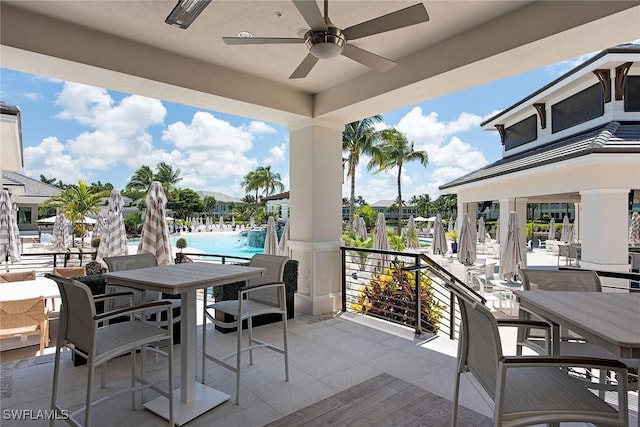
column 231, row 244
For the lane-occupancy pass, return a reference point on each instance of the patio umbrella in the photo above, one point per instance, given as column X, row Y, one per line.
column 271, row 238
column 552, row 229
column 440, row 246
column 451, row 224
column 154, row 238
column 252, row 222
column 412, row 234
column 380, row 242
column 98, row 228
column 357, row 227
column 61, row 238
column 363, row 228
column 114, row 240
column 511, row 255
column 575, row 231
column 634, row 229
column 221, row 222
column 283, row 245
column 565, row 235
column 9, row 233
column 466, row 242
column 498, row 230
column 233, row 221
column 482, row 231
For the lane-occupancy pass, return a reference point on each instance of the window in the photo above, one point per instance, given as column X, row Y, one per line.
column 521, row 133
column 579, row 108
column 632, row 94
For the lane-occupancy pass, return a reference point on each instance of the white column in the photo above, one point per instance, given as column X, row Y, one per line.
column 521, row 211
column 604, row 230
column 316, row 214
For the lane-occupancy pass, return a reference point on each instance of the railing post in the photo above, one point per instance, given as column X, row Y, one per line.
column 418, row 316
column 344, row 279
column 452, row 316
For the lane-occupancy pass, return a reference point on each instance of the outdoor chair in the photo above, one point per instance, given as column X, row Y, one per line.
column 68, row 272
column 264, row 295
column 23, row 318
column 131, row 262
column 526, row 390
column 90, row 335
column 570, row 343
column 17, row 276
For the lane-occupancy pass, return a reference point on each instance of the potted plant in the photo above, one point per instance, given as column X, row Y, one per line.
column 453, row 236
column 181, row 243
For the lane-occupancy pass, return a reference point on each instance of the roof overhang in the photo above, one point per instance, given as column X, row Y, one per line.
column 10, row 139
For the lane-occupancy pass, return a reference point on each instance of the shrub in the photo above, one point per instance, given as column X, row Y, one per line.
column 391, row 296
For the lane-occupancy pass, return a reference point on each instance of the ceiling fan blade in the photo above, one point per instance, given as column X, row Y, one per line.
column 367, row 58
column 311, row 13
column 406, row 17
column 260, row 40
column 305, row 66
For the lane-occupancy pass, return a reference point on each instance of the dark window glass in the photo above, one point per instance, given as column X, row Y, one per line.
column 632, row 94
column 521, row 133
column 579, row 108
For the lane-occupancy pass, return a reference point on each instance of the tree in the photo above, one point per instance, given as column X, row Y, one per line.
column 357, row 139
column 250, row 183
column 99, row 186
column 76, row 201
column 50, row 181
column 139, row 183
column 262, row 178
column 185, row 202
column 166, row 176
column 210, row 204
column 393, row 151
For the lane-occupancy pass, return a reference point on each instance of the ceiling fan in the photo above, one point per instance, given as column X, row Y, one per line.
column 325, row 41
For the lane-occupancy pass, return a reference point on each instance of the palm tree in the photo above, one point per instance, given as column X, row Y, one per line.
column 77, row 201
column 50, row 181
column 357, row 139
column 250, row 183
column 166, row 176
column 269, row 180
column 394, row 150
column 141, row 179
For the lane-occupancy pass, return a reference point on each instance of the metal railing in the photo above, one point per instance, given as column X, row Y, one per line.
column 394, row 286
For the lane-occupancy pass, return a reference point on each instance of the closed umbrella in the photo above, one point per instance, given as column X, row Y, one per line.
column 114, row 240
column 233, row 222
column 511, row 257
column 271, row 238
column 9, row 233
column 283, row 245
column 252, row 222
column 363, row 228
column 482, row 231
column 498, row 230
column 466, row 242
column 440, row 246
column 221, row 222
column 451, row 224
column 380, row 242
column 412, row 234
column 565, row 235
column 634, row 229
column 552, row 229
column 154, row 238
column 61, row 238
column 98, row 228
column 575, row 231
column 359, row 228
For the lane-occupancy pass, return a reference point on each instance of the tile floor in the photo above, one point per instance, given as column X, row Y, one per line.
column 326, row 356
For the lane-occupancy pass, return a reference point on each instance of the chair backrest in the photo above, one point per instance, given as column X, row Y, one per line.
column 130, row 262
column 68, row 272
column 489, row 271
column 480, row 348
column 22, row 313
column 18, row 276
column 561, row 280
column 76, row 324
column 274, row 264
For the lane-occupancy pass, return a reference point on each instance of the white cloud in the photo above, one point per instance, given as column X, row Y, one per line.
column 277, row 154
column 256, row 127
column 49, row 159
column 32, row 96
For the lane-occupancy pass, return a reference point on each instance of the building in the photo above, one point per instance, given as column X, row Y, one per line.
column 277, row 205
column 391, row 213
column 577, row 141
column 224, row 204
column 28, row 195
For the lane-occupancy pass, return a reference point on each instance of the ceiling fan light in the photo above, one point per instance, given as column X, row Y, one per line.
column 185, row 12
column 325, row 44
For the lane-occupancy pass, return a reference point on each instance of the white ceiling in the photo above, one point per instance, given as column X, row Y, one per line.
column 125, row 45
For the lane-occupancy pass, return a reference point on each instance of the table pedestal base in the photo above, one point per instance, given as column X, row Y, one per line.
column 206, row 398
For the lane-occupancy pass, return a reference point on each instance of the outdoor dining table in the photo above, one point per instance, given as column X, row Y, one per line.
column 610, row 319
column 185, row 280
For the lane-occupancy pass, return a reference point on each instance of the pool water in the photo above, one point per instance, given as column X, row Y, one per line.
column 231, row 244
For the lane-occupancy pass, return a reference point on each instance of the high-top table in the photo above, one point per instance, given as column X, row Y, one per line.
column 610, row 319
column 185, row 280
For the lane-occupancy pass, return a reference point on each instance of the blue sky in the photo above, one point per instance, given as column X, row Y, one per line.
column 73, row 131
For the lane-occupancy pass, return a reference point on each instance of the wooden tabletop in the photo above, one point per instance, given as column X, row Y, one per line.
column 611, row 319
column 181, row 278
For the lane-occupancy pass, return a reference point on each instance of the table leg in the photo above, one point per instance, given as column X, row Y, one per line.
column 192, row 399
